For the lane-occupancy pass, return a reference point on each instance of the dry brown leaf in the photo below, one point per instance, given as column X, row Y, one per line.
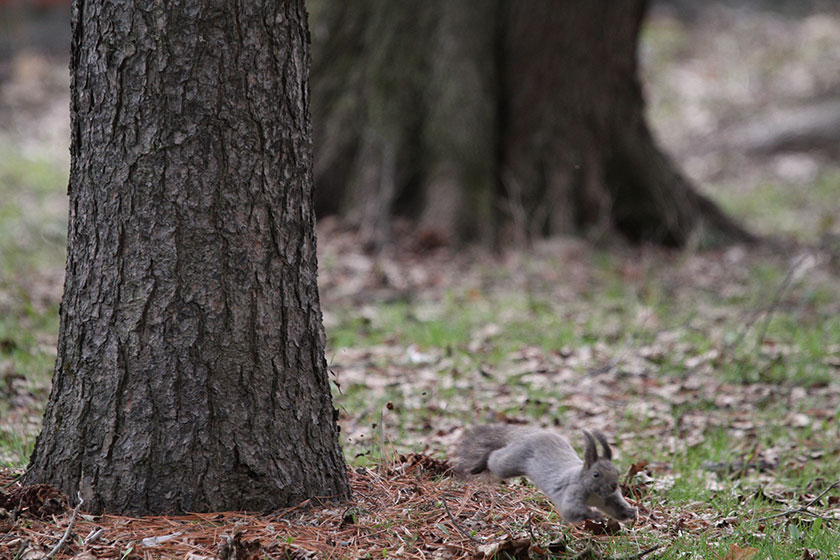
column 740, row 553
column 38, row 500
column 608, row 527
column 34, row 552
column 236, row 548
column 636, row 468
column 508, row 548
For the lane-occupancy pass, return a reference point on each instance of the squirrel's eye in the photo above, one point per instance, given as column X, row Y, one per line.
column 595, row 474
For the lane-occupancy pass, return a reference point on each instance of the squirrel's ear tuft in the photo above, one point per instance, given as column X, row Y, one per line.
column 606, row 446
column 590, row 452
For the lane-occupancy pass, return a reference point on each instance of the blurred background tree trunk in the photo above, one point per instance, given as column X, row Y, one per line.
column 494, row 121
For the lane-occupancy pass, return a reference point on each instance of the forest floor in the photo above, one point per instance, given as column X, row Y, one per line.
column 715, row 374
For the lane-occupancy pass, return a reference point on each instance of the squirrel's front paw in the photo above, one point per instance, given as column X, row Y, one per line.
column 576, row 516
column 595, row 515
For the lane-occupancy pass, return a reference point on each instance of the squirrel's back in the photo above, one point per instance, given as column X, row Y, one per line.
column 475, row 446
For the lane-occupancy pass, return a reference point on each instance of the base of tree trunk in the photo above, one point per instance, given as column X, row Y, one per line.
column 190, row 373
column 654, row 202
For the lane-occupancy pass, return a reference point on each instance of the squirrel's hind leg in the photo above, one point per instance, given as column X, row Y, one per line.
column 511, row 460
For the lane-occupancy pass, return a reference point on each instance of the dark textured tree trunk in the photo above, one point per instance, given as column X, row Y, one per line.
column 494, row 120
column 190, row 372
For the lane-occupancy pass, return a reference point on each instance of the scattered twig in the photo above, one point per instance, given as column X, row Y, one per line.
column 832, row 486
column 24, row 544
column 530, row 528
column 628, row 344
column 769, row 310
column 93, row 536
column 788, row 512
column 804, row 509
column 16, row 478
column 641, row 554
column 456, row 524
column 160, row 539
column 66, row 535
column 589, row 552
column 746, row 464
column 777, row 299
column 734, row 468
column 629, row 341
column 586, row 553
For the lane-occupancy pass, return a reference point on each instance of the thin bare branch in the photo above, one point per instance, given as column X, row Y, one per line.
column 66, row 535
column 641, row 554
column 589, row 552
column 455, row 522
column 804, row 509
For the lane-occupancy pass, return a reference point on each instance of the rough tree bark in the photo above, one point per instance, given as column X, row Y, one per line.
column 494, row 121
column 190, row 372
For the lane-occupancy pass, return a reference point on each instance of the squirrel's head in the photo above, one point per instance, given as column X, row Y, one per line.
column 600, row 479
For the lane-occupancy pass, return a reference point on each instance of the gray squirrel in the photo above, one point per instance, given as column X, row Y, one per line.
column 573, row 485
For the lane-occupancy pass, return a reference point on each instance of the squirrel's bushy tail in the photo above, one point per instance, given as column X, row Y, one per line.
column 476, row 444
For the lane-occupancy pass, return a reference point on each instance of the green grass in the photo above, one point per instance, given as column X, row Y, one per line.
column 15, row 449
column 806, row 212
column 734, row 502
column 33, row 219
column 33, row 213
